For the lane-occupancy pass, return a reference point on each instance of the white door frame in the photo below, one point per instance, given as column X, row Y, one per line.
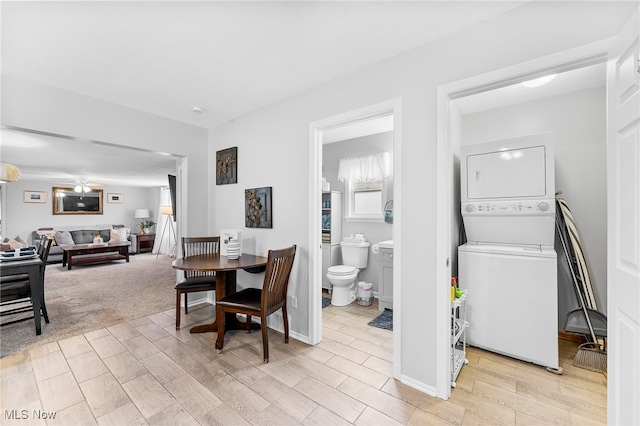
column 564, row 61
column 315, row 192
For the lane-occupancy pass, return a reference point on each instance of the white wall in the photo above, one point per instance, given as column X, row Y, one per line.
column 24, row 218
column 273, row 149
column 578, row 121
column 34, row 106
column 373, row 231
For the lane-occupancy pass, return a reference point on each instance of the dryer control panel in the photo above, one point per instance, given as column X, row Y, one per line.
column 509, row 208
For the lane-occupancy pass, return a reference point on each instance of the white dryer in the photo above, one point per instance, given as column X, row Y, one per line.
column 508, row 264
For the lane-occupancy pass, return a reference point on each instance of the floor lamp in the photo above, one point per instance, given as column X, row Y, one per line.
column 168, row 211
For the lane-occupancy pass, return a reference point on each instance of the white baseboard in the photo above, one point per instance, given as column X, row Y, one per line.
column 422, row 387
column 208, row 297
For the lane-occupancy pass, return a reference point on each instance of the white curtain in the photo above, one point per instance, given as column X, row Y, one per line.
column 373, row 167
column 165, row 242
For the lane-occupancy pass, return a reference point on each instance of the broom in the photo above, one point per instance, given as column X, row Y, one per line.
column 590, row 355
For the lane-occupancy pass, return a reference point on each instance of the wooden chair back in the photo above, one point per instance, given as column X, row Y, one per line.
column 276, row 279
column 193, row 246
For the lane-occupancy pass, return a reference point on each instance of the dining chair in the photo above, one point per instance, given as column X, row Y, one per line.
column 16, row 289
column 261, row 302
column 194, row 281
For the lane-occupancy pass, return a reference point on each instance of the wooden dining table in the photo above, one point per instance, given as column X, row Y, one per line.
column 226, row 272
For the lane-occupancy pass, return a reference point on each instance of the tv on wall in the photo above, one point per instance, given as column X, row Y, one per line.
column 172, row 190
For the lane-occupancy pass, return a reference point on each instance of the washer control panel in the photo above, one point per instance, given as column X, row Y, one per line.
column 510, row 208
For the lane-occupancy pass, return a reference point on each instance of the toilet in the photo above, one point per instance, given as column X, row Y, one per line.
column 343, row 278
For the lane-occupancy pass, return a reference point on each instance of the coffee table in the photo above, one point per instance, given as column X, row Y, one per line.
column 84, row 254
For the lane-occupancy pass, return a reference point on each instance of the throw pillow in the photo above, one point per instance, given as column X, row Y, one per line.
column 64, row 238
column 118, row 235
column 15, row 243
column 49, row 232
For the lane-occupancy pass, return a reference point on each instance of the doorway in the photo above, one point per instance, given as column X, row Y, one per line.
column 449, row 131
column 318, row 131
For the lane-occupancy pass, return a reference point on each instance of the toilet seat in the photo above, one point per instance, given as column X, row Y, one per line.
column 341, row 270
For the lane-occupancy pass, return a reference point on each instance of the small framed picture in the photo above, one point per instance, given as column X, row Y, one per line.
column 227, row 166
column 115, row 198
column 35, row 197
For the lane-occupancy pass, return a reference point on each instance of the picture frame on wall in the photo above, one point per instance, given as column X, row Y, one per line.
column 115, row 198
column 35, row 197
column 257, row 207
column 227, row 166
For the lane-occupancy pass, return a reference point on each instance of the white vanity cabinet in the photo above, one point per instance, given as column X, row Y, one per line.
column 385, row 278
column 331, row 232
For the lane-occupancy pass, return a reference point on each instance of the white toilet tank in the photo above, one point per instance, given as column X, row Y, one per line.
column 355, row 254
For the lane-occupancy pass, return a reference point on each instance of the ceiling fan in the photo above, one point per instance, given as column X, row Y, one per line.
column 83, row 186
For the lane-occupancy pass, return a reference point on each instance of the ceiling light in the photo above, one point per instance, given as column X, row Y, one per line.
column 9, row 173
column 539, row 81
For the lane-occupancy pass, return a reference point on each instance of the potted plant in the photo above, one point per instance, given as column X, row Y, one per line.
column 145, row 226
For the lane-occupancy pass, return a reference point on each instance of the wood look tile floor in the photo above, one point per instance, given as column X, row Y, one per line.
column 145, row 372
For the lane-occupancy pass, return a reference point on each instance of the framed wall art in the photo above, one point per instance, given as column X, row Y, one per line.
column 257, row 207
column 227, row 166
column 115, row 198
column 35, row 197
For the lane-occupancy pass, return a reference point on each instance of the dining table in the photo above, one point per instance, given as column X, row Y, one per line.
column 226, row 278
column 33, row 268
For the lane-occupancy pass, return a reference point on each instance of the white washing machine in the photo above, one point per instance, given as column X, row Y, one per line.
column 512, row 300
column 508, row 264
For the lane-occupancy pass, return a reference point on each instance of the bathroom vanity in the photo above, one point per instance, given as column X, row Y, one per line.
column 385, row 275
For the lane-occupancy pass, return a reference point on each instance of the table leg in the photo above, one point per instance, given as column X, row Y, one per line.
column 225, row 284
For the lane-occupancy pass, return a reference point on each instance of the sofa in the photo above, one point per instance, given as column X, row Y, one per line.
column 79, row 236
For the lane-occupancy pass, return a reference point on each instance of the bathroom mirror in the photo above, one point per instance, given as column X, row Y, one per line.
column 67, row 201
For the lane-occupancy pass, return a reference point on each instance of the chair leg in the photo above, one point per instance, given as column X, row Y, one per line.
column 43, row 306
column 285, row 320
column 186, row 307
column 221, row 325
column 177, row 309
column 248, row 324
column 265, row 338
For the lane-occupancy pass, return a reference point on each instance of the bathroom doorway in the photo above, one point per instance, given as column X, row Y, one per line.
column 366, row 131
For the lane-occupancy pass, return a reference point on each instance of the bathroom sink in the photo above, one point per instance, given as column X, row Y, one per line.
column 386, row 244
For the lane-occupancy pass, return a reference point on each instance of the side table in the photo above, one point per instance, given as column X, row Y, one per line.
column 145, row 242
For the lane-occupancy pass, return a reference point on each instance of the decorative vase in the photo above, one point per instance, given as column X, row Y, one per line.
column 233, row 249
column 146, row 230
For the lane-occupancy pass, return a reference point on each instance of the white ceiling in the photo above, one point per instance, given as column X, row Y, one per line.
column 566, row 82
column 228, row 58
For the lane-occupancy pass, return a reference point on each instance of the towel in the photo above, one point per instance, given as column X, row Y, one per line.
column 26, row 251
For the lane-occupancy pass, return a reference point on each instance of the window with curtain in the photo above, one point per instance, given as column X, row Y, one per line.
column 365, row 183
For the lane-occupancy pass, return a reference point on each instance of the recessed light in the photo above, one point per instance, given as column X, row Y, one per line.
column 539, row 81
column 197, row 110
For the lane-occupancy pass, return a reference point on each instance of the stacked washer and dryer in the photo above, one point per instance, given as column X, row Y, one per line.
column 508, row 264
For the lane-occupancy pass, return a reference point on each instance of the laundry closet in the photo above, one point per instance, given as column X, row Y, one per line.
column 574, row 124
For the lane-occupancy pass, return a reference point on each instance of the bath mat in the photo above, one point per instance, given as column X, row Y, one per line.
column 384, row 320
column 326, row 301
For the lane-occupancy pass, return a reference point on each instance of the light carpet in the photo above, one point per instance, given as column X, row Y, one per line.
column 91, row 297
